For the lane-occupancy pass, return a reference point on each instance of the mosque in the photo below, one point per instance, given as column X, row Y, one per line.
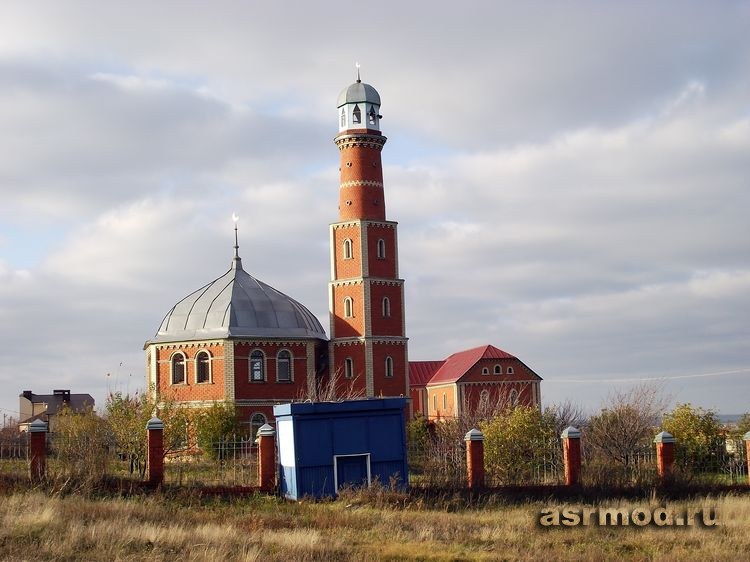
column 240, row 340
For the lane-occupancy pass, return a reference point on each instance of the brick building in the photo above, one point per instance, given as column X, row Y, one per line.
column 240, row 340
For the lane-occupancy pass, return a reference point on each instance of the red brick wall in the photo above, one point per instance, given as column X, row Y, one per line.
column 190, row 390
column 357, row 352
column 396, row 385
column 386, row 326
column 361, row 201
column 270, row 388
column 347, row 268
column 354, row 326
column 382, row 267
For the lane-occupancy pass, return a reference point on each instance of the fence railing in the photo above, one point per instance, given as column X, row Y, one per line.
column 231, row 462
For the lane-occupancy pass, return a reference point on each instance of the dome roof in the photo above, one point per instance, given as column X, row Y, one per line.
column 357, row 93
column 236, row 305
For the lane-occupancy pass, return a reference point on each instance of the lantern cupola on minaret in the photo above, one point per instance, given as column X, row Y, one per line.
column 359, row 107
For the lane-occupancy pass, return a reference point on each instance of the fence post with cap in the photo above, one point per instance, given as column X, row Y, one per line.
column 665, row 443
column 37, row 450
column 571, row 438
column 267, row 458
column 155, row 451
column 475, row 458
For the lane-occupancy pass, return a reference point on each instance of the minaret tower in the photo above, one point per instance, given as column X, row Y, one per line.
column 368, row 350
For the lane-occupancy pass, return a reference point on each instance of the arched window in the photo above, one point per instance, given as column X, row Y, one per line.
column 371, row 115
column 348, row 367
column 257, row 366
column 202, row 367
column 284, row 366
column 178, row 368
column 445, row 402
column 348, row 254
column 389, row 367
column 485, row 371
column 386, row 307
column 343, row 117
column 257, row 420
column 498, row 370
column 357, row 115
column 381, row 249
column 348, row 307
column 434, row 402
column 513, row 398
column 484, row 398
column 509, row 370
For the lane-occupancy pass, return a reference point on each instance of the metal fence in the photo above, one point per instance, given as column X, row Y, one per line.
column 231, row 462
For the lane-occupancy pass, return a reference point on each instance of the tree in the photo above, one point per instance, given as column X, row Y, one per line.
column 516, row 442
column 626, row 424
column 215, row 425
column 700, row 442
column 743, row 425
column 81, row 444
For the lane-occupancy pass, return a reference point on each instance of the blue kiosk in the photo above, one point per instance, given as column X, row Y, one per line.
column 326, row 445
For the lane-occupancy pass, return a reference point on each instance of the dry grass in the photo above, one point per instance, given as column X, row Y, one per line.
column 369, row 526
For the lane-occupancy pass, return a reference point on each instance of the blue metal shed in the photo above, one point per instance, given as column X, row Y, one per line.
column 326, row 445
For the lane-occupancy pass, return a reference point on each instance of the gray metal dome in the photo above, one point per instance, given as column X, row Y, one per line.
column 357, row 93
column 236, row 305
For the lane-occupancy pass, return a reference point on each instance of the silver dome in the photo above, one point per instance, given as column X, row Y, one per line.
column 357, row 93
column 236, row 305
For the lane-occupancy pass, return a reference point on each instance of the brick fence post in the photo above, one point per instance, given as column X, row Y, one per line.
column 665, row 442
column 746, row 438
column 37, row 450
column 571, row 437
column 267, row 458
column 475, row 458
column 155, row 451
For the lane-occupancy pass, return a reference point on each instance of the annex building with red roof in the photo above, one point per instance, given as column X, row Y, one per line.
column 478, row 379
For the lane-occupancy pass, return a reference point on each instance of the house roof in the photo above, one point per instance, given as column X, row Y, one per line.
column 420, row 372
column 237, row 305
column 77, row 403
column 456, row 365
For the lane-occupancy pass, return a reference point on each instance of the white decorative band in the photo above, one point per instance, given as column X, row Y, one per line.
column 366, row 183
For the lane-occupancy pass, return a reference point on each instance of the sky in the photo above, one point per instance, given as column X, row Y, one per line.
column 571, row 180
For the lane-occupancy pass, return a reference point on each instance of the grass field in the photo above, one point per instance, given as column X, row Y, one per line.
column 367, row 526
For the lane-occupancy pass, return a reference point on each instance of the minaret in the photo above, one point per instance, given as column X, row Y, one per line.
column 368, row 350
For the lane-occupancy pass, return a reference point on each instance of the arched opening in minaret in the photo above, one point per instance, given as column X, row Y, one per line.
column 381, row 249
column 389, row 367
column 348, row 367
column 357, row 115
column 343, row 117
column 386, row 307
column 348, row 254
column 371, row 115
column 348, row 307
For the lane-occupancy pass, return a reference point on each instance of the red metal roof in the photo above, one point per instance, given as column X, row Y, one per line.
column 420, row 372
column 459, row 363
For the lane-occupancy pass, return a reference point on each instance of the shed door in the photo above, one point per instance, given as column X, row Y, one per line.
column 352, row 470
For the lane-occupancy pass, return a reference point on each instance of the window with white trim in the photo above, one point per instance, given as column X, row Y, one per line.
column 284, row 366
column 257, row 366
column 484, row 398
column 348, row 251
column 386, row 307
column 498, row 370
column 445, row 401
column 178, row 368
column 348, row 367
column 509, row 370
column 389, row 367
column 513, row 398
column 348, row 307
column 202, row 367
column 485, row 371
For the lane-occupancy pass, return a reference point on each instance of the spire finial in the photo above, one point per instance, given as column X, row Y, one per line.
column 237, row 260
column 356, row 65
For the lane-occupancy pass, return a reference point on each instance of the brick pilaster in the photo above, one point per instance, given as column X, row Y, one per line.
column 155, row 451
column 571, row 438
column 37, row 451
column 267, row 458
column 475, row 458
column 665, row 443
